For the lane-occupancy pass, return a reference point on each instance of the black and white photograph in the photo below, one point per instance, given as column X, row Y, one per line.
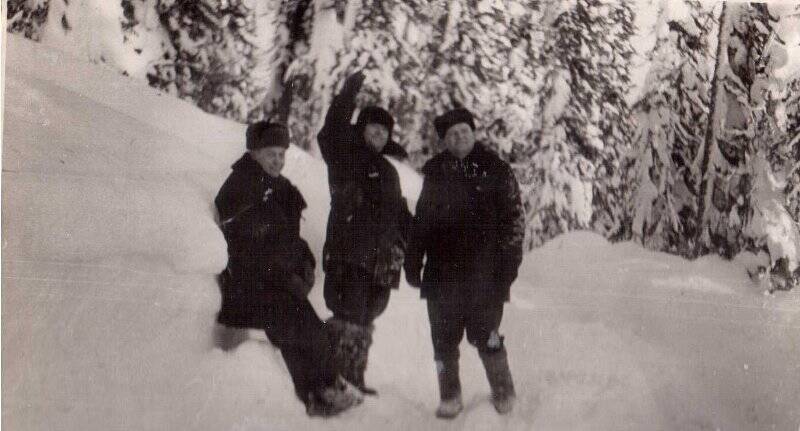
column 400, row 215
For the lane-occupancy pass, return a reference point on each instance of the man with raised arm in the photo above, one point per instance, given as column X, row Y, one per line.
column 367, row 226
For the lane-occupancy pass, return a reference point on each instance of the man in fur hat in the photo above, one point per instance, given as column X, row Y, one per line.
column 469, row 225
column 271, row 270
column 367, row 224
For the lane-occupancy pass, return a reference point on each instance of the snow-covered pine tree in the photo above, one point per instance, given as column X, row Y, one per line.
column 96, row 30
column 793, row 142
column 383, row 39
column 391, row 41
column 422, row 58
column 308, row 34
column 350, row 36
column 742, row 205
column 27, row 17
column 575, row 170
column 672, row 119
column 482, row 57
column 772, row 227
column 211, row 56
column 292, row 22
column 724, row 184
column 612, row 189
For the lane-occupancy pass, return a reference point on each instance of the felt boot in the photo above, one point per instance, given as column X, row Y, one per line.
column 499, row 376
column 449, row 389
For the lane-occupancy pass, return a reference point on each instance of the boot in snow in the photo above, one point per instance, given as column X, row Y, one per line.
column 449, row 409
column 228, row 338
column 334, row 399
column 352, row 343
column 360, row 369
column 449, row 389
column 503, row 394
column 366, row 390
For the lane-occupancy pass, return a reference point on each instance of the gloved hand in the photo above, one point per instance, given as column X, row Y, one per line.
column 298, row 287
column 353, row 83
column 505, row 279
column 256, row 231
column 308, row 274
column 413, row 277
column 249, row 224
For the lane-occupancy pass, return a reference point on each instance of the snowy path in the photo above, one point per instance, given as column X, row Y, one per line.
column 108, row 296
column 92, row 355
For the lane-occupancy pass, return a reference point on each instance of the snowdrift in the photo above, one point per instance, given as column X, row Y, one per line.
column 109, row 255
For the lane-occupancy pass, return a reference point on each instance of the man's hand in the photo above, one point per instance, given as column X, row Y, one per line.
column 256, row 231
column 413, row 278
column 353, row 83
column 308, row 274
column 298, row 287
column 506, row 278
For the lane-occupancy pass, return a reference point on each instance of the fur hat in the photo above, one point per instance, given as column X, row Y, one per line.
column 451, row 118
column 265, row 134
column 377, row 115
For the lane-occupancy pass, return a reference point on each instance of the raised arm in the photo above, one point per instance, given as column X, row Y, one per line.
column 334, row 138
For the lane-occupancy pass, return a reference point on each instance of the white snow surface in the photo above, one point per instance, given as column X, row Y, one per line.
column 110, row 249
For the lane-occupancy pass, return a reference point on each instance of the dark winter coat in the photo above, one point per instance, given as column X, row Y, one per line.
column 260, row 218
column 469, row 223
column 369, row 218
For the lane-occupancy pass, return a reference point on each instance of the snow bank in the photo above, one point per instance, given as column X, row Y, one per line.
column 683, row 336
column 126, row 168
column 85, row 182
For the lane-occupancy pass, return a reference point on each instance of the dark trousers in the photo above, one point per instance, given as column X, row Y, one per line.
column 353, row 296
column 293, row 326
column 449, row 321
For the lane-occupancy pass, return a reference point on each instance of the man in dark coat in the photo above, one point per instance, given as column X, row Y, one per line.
column 469, row 224
column 271, row 270
column 367, row 224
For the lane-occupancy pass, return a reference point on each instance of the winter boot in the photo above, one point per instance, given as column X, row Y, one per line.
column 362, row 341
column 352, row 343
column 228, row 338
column 334, row 399
column 449, row 389
column 503, row 394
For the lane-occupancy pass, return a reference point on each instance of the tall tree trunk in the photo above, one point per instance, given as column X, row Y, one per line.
column 284, row 103
column 712, row 132
column 742, row 206
column 297, row 34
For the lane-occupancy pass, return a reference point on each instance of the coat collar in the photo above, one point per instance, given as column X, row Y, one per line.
column 479, row 156
column 392, row 148
column 246, row 164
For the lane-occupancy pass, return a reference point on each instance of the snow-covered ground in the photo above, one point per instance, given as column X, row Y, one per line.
column 108, row 295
